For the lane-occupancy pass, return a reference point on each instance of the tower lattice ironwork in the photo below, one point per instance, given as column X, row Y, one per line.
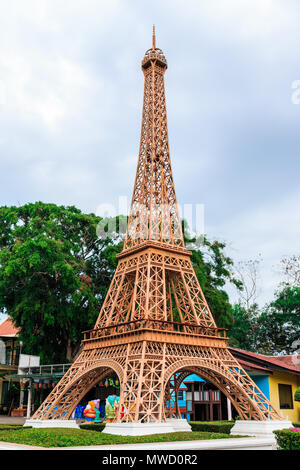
column 155, row 326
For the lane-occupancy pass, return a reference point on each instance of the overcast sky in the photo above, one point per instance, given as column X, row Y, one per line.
column 71, row 92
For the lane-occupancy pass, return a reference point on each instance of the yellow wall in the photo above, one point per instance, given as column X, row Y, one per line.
column 289, row 379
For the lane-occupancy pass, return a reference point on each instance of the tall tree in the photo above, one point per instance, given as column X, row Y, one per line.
column 54, row 273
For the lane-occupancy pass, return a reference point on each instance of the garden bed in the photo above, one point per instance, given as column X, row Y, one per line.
column 58, row 437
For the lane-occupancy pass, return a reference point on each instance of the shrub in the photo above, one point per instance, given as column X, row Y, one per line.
column 296, row 424
column 297, row 395
column 222, row 427
column 288, row 439
column 93, row 427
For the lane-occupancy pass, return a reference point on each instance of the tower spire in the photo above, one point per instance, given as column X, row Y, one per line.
column 153, row 39
column 154, row 215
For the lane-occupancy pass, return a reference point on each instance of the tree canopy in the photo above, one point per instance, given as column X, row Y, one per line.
column 54, row 274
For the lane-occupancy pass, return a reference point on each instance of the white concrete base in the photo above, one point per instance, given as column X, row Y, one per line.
column 179, row 425
column 258, row 428
column 51, row 423
column 137, row 429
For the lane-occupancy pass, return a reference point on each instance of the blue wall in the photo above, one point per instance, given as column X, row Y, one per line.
column 262, row 381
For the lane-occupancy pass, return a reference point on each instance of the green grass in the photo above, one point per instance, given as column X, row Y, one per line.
column 57, row 437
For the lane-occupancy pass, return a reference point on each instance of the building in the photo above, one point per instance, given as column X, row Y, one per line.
column 9, row 359
column 278, row 377
column 16, row 380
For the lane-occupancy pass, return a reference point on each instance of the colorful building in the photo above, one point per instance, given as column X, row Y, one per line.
column 278, row 377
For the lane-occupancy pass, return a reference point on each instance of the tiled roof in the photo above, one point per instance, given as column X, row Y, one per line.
column 253, row 367
column 288, row 363
column 7, row 328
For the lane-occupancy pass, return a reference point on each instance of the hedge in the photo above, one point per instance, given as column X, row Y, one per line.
column 287, row 439
column 93, row 427
column 222, row 427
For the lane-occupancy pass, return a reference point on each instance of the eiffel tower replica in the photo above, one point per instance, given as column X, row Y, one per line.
column 155, row 327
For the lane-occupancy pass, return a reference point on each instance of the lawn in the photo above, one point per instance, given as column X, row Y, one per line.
column 57, row 437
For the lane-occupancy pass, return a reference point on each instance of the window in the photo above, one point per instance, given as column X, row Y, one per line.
column 180, row 395
column 189, row 405
column 285, row 397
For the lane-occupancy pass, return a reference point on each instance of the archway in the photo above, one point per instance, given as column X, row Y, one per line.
column 248, row 405
column 63, row 399
column 189, row 395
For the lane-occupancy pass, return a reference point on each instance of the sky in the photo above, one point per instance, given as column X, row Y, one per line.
column 71, row 91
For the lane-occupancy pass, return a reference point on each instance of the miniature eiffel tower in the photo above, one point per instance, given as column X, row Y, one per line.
column 155, row 326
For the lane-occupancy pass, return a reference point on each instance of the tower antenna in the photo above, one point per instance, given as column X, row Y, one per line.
column 153, row 39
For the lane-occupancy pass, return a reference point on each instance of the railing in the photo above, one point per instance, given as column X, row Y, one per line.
column 204, row 396
column 50, row 369
column 157, row 325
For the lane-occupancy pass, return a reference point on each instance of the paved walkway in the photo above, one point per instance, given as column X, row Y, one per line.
column 241, row 443
column 11, row 420
column 13, row 446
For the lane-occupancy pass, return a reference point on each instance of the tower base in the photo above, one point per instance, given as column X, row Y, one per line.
column 139, row 429
column 51, row 423
column 179, row 425
column 259, row 428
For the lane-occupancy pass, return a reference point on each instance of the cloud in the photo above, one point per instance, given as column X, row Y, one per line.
column 71, row 93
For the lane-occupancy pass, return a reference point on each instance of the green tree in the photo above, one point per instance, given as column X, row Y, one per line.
column 213, row 269
column 274, row 330
column 279, row 323
column 243, row 330
column 54, row 274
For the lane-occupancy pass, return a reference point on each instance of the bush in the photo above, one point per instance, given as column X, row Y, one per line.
column 93, row 427
column 287, row 439
column 222, row 427
column 297, row 394
column 296, row 424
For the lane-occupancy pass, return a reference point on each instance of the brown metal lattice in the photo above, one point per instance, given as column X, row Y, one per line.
column 155, row 326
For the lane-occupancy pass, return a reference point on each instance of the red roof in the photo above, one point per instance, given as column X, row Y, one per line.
column 288, row 363
column 7, row 328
